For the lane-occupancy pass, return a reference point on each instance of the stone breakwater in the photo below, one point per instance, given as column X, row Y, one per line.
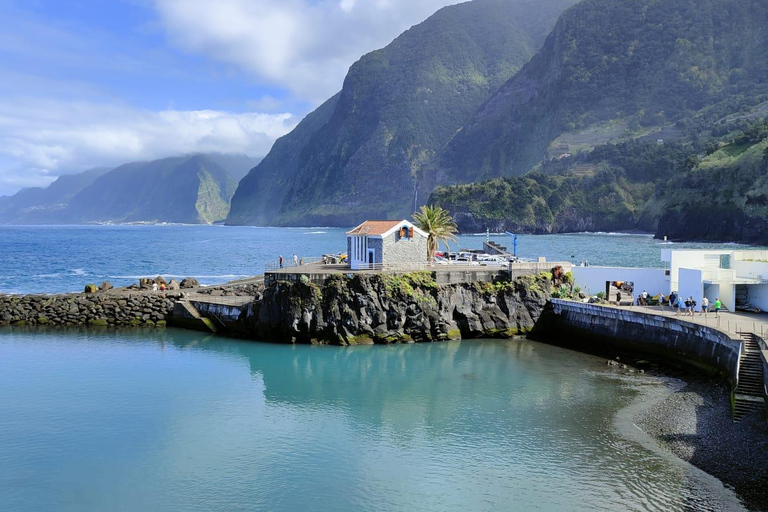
column 369, row 309
column 364, row 309
column 123, row 310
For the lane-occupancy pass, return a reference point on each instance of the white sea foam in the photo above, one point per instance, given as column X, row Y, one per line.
column 182, row 276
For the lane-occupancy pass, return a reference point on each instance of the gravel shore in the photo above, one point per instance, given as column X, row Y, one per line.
column 695, row 424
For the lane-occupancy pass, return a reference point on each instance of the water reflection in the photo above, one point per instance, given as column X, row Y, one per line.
column 196, row 421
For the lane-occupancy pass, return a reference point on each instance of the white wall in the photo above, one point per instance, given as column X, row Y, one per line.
column 750, row 269
column 728, row 296
column 692, row 259
column 757, row 295
column 691, row 284
column 592, row 279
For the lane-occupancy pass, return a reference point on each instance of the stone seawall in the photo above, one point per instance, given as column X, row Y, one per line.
column 569, row 322
column 98, row 309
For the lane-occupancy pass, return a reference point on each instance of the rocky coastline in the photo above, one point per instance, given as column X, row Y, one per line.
column 368, row 309
column 694, row 422
column 138, row 305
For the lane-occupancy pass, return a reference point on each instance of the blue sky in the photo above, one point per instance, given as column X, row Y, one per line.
column 99, row 83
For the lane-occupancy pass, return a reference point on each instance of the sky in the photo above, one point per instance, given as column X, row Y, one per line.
column 99, row 83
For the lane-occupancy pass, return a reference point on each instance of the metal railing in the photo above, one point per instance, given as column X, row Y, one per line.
column 273, row 266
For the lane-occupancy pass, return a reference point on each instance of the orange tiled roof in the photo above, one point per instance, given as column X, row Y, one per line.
column 374, row 227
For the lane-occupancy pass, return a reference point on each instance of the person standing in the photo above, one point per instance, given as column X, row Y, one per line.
column 679, row 305
column 281, row 261
column 718, row 305
column 295, row 260
column 704, row 307
column 618, row 297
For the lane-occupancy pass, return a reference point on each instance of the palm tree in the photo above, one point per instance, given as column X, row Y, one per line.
column 438, row 224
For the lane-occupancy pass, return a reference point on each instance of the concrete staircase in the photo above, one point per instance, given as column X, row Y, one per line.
column 184, row 312
column 749, row 394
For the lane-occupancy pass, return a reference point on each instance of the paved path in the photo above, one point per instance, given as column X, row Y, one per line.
column 732, row 322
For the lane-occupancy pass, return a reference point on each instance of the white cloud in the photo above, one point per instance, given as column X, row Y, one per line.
column 305, row 46
column 41, row 139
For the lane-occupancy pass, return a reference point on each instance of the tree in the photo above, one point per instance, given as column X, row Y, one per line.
column 438, row 225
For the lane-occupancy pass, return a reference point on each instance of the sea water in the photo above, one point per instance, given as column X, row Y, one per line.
column 173, row 420
column 56, row 259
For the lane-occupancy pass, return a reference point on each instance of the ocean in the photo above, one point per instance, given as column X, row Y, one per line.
column 174, row 420
column 167, row 419
column 58, row 259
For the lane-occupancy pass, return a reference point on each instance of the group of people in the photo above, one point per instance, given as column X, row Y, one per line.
column 687, row 307
column 296, row 261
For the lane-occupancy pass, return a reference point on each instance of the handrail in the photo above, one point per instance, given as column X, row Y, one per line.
column 288, row 263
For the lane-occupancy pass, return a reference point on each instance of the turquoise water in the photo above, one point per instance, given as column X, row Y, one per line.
column 174, row 420
column 55, row 259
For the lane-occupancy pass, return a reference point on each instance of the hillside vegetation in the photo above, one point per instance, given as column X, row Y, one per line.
column 361, row 154
column 192, row 189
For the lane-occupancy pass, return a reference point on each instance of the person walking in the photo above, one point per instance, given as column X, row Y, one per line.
column 679, row 305
column 644, row 297
column 718, row 306
column 704, row 307
column 295, row 260
column 281, row 261
column 687, row 307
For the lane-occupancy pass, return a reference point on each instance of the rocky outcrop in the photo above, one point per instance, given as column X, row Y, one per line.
column 570, row 220
column 370, row 309
column 706, row 222
column 146, row 310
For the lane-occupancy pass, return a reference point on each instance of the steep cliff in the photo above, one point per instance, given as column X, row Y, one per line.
column 642, row 61
column 360, row 155
column 397, row 309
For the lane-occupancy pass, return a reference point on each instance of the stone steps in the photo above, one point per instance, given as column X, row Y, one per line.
column 749, row 395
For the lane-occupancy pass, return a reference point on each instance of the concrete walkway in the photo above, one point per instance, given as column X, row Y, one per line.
column 731, row 322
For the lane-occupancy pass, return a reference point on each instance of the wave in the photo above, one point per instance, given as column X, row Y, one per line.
column 315, row 233
column 182, row 276
column 54, row 275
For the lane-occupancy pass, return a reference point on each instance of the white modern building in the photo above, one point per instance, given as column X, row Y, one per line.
column 739, row 278
column 394, row 244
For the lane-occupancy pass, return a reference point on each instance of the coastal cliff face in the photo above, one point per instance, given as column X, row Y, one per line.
column 371, row 309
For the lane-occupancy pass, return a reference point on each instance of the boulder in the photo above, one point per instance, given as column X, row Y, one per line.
column 189, row 282
column 145, row 283
column 91, row 288
column 106, row 286
column 173, row 285
column 160, row 280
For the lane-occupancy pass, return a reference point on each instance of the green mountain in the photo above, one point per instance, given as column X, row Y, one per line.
column 620, row 117
column 646, row 63
column 362, row 153
column 40, row 205
column 190, row 189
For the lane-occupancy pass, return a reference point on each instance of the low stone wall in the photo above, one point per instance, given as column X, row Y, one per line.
column 99, row 309
column 688, row 343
